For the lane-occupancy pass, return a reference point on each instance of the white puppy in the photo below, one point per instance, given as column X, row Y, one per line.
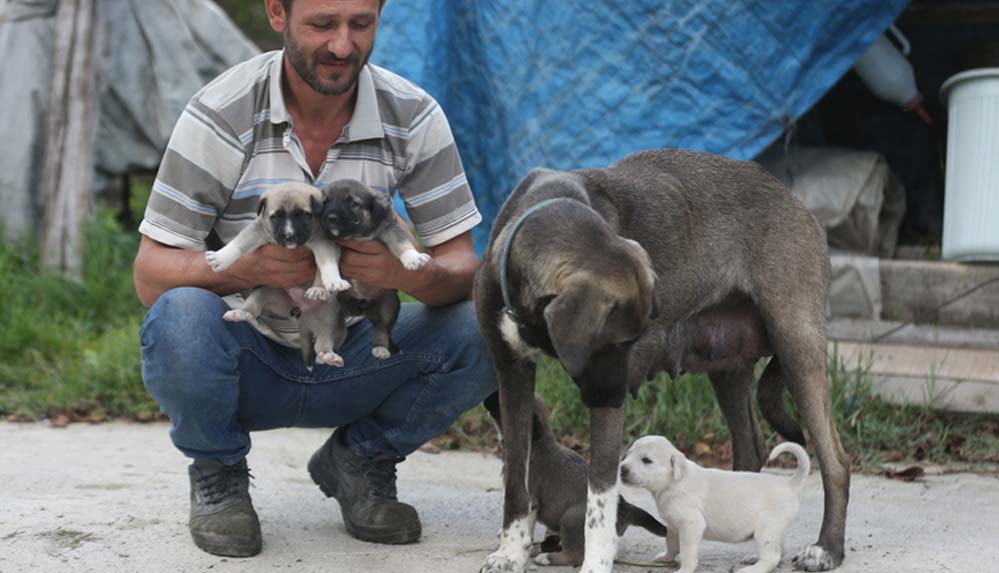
column 698, row 503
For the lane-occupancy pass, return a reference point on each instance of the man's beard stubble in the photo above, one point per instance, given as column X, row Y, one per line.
column 306, row 66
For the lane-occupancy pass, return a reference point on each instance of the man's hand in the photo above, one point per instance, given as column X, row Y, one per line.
column 275, row 266
column 371, row 263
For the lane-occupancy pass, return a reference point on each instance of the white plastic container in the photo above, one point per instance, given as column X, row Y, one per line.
column 971, row 192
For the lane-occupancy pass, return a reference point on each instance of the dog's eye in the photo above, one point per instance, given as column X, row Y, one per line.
column 646, row 460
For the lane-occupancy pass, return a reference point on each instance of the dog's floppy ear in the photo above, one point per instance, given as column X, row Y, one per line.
column 261, row 206
column 575, row 318
column 316, row 203
column 678, row 465
column 380, row 206
column 647, row 274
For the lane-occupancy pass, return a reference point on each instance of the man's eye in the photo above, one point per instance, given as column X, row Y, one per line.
column 360, row 26
column 646, row 461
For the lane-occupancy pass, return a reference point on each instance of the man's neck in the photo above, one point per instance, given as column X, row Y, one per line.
column 312, row 110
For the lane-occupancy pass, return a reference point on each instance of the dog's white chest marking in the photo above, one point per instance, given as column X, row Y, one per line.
column 508, row 328
column 601, row 530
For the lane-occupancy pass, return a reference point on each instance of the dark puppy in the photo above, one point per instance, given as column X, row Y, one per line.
column 288, row 215
column 672, row 260
column 352, row 210
column 557, row 482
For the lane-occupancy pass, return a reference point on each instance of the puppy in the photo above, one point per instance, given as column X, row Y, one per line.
column 352, row 210
column 699, row 503
column 288, row 215
column 557, row 483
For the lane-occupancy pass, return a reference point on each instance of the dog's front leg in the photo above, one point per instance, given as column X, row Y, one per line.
column 251, row 237
column 607, row 431
column 327, row 255
column 516, row 390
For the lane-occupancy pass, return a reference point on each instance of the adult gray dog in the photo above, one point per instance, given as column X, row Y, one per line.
column 666, row 260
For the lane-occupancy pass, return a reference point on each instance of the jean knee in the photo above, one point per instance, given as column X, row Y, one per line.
column 471, row 352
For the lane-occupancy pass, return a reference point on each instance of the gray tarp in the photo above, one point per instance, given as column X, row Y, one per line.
column 152, row 56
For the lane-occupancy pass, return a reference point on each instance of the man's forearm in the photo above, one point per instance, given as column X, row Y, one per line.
column 446, row 279
column 159, row 268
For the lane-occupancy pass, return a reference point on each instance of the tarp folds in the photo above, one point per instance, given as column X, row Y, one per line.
column 529, row 83
column 152, row 57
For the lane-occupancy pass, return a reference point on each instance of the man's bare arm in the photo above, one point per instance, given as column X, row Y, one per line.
column 159, row 268
column 446, row 279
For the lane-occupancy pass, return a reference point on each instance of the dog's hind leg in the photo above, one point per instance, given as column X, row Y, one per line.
column 572, row 539
column 769, row 539
column 607, row 431
column 733, row 388
column 383, row 313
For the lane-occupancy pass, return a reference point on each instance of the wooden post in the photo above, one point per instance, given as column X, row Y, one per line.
column 67, row 166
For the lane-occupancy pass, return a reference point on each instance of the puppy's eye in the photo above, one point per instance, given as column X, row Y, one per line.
column 646, row 460
column 354, row 202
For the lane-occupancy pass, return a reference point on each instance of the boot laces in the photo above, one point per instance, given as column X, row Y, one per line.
column 380, row 473
column 219, row 486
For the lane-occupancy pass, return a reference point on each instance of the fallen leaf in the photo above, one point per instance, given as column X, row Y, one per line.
column 893, row 456
column 911, row 473
column 60, row 421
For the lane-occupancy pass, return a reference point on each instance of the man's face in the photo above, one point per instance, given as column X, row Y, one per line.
column 327, row 42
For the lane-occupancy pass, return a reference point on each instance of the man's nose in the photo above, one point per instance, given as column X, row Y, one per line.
column 339, row 43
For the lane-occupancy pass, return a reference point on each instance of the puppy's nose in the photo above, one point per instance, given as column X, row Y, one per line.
column 624, row 472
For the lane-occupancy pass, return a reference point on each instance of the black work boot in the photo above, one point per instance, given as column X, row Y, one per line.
column 365, row 489
column 223, row 521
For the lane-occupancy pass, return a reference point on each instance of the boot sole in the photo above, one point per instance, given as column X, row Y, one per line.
column 226, row 547
column 319, row 468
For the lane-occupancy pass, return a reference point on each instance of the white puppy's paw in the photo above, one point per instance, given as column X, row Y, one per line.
column 749, row 559
column 665, row 558
column 499, row 563
column 218, row 261
column 237, row 315
column 330, row 359
column 413, row 259
column 380, row 352
column 337, row 285
column 317, row 293
column 543, row 559
column 814, row 558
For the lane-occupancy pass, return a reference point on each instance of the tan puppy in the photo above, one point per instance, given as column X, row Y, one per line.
column 698, row 503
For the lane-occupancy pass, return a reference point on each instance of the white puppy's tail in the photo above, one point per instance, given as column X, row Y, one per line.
column 804, row 464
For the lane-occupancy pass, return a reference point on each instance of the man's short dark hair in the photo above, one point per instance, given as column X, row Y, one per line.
column 286, row 4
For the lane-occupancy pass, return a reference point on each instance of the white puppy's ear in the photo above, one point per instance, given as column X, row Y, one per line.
column 678, row 464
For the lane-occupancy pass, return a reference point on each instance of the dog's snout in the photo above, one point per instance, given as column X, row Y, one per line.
column 624, row 473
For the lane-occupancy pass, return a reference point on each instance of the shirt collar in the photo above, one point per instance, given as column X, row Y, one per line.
column 365, row 122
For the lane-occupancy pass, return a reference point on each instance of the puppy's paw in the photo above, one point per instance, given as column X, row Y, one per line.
column 317, row 293
column 330, row 359
column 218, row 261
column 413, row 259
column 815, row 558
column 499, row 563
column 665, row 558
column 237, row 315
column 543, row 559
column 748, row 559
column 338, row 285
column 380, row 352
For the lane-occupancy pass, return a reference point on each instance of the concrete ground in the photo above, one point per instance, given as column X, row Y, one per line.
column 113, row 497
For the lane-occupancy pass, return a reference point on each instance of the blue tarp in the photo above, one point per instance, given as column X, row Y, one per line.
column 581, row 83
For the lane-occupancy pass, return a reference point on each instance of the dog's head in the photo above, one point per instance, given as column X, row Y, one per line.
column 653, row 463
column 351, row 209
column 290, row 210
column 599, row 312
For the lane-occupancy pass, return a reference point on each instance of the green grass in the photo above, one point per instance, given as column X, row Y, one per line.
column 71, row 350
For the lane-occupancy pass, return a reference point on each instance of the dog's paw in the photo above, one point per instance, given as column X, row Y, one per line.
column 317, row 293
column 543, row 559
column 665, row 558
column 217, row 261
column 330, row 359
column 749, row 559
column 380, row 352
column 499, row 563
column 237, row 315
column 414, row 260
column 815, row 558
column 338, row 285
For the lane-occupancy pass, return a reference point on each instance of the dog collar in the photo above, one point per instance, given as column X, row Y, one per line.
column 505, row 253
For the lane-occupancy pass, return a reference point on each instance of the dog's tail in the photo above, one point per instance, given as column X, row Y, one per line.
column 628, row 514
column 770, row 398
column 804, row 464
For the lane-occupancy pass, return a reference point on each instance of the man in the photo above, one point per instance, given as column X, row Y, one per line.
column 314, row 112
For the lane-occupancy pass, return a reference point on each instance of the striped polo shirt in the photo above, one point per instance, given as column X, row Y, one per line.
column 236, row 138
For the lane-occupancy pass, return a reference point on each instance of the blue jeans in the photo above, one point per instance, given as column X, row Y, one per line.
column 218, row 381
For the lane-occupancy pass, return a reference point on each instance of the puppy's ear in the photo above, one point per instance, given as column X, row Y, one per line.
column 261, row 206
column 380, row 206
column 575, row 318
column 316, row 204
column 678, row 464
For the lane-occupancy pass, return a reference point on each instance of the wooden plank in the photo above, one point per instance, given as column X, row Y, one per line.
column 913, row 290
column 868, row 331
column 962, row 380
column 67, row 167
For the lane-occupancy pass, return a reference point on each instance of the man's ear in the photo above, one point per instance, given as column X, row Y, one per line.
column 678, row 464
column 261, row 206
column 575, row 318
column 276, row 15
